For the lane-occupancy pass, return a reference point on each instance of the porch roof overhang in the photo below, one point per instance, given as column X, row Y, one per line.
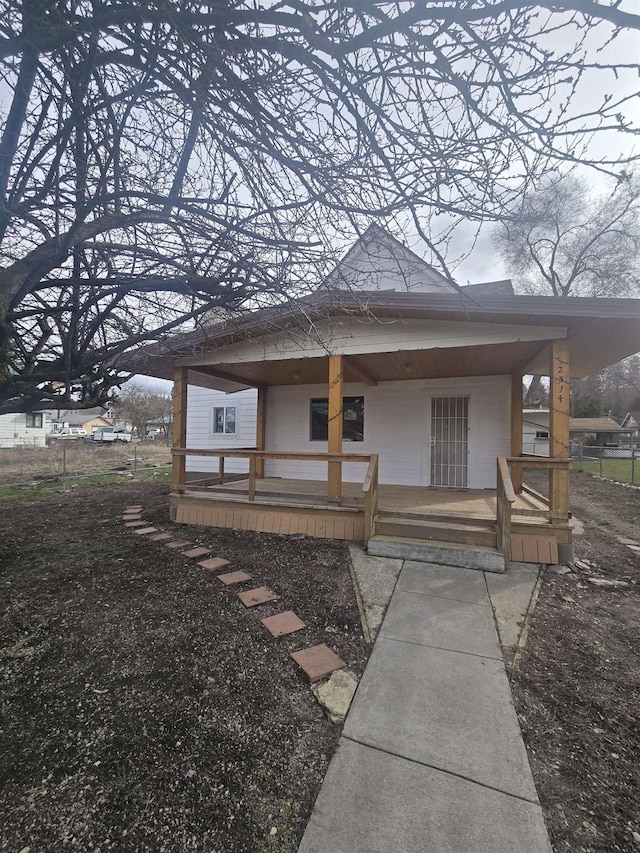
column 600, row 332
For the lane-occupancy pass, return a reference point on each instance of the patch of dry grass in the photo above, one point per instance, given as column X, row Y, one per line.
column 24, row 464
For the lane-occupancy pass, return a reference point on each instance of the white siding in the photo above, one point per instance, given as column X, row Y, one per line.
column 533, row 422
column 351, row 336
column 397, row 425
column 200, row 405
column 14, row 432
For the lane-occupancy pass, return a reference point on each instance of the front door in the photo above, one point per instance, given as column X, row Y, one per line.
column 449, row 423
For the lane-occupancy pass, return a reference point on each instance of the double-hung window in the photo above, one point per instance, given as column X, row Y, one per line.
column 34, row 420
column 224, row 420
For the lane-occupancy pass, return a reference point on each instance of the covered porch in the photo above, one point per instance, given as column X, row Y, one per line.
column 410, row 476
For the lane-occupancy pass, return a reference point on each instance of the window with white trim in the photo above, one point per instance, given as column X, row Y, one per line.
column 225, row 420
column 34, row 420
column 542, row 434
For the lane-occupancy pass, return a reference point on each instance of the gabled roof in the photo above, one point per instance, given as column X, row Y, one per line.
column 631, row 416
column 365, row 252
column 75, row 417
column 602, row 424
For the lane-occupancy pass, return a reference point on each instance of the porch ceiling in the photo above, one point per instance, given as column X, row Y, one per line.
column 486, row 360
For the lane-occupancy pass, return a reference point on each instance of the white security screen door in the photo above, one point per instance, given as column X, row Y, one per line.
column 449, row 422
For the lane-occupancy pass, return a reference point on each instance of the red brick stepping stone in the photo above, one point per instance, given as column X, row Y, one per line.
column 160, row 537
column 318, row 661
column 136, row 524
column 196, row 552
column 177, row 543
column 283, row 623
column 259, row 595
column 214, row 564
column 234, row 577
column 142, row 531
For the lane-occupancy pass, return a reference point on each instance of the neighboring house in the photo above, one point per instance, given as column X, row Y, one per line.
column 535, row 431
column 87, row 419
column 599, row 432
column 631, row 421
column 391, row 375
column 23, row 430
column 594, row 432
column 161, row 426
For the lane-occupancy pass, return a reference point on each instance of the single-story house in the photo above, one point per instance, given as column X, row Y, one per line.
column 87, row 419
column 23, row 429
column 595, row 432
column 388, row 408
column 599, row 432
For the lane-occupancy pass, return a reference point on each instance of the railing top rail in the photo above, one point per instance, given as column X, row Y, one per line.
column 371, row 472
column 269, row 454
column 505, row 476
column 527, row 459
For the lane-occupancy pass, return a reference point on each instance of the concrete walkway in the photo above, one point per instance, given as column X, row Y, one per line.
column 431, row 756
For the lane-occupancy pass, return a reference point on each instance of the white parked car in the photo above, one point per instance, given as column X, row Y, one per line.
column 68, row 433
column 103, row 434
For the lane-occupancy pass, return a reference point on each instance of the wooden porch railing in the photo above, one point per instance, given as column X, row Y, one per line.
column 369, row 488
column 557, row 511
column 506, row 496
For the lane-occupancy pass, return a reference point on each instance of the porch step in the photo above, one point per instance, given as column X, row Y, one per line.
column 419, row 527
column 442, row 553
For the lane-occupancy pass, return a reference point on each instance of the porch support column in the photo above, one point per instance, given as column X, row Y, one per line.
column 334, row 477
column 559, row 444
column 261, row 428
column 179, row 463
column 517, row 400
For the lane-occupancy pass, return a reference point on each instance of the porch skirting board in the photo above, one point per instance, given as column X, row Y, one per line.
column 316, row 523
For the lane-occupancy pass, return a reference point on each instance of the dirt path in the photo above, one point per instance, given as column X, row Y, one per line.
column 577, row 689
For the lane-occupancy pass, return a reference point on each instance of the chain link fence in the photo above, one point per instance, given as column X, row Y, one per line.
column 621, row 464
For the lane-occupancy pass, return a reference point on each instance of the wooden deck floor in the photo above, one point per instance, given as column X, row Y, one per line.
column 468, row 503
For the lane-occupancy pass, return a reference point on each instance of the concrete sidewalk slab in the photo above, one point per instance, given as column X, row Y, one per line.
column 449, row 710
column 441, row 622
column 444, row 582
column 510, row 596
column 372, row 802
column 376, row 578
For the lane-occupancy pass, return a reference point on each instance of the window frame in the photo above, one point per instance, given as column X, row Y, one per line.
column 345, row 407
column 224, row 410
column 33, row 416
column 542, row 435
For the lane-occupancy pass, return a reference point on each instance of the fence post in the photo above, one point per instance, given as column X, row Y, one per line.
column 633, row 466
column 580, row 457
column 135, row 459
column 64, row 464
column 600, row 463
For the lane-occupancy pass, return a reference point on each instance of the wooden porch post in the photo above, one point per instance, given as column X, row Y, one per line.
column 261, row 428
column 334, row 477
column 179, row 465
column 559, row 443
column 517, row 399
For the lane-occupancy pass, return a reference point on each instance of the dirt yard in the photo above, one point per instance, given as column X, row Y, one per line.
column 28, row 464
column 144, row 708
column 577, row 689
